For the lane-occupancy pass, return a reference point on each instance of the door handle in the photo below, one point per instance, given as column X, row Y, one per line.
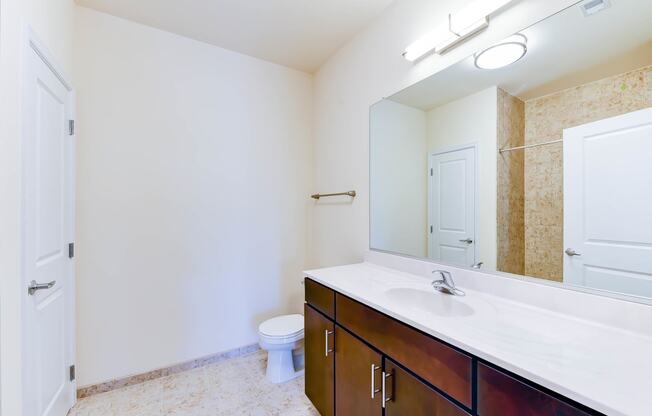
column 385, row 398
column 326, row 347
column 374, row 390
column 570, row 252
column 466, row 240
column 34, row 287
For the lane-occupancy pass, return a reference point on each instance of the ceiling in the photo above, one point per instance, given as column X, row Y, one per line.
column 564, row 50
column 300, row 34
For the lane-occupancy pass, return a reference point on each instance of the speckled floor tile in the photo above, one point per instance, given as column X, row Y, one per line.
column 233, row 387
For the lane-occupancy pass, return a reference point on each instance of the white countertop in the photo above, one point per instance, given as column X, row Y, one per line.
column 606, row 368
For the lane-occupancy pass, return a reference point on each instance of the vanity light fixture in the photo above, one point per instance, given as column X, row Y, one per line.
column 461, row 26
column 502, row 54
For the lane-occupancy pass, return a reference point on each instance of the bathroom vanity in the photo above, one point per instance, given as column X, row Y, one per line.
column 524, row 181
column 381, row 340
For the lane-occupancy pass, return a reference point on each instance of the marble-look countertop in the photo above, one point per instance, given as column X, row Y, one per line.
column 606, row 368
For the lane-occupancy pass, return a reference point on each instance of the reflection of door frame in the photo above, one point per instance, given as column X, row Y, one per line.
column 476, row 206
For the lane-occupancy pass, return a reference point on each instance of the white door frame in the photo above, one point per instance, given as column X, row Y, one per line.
column 450, row 149
column 32, row 44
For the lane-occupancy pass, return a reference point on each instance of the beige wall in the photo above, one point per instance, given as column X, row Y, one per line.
column 52, row 21
column 511, row 197
column 545, row 119
column 366, row 69
column 398, row 182
column 192, row 203
column 473, row 120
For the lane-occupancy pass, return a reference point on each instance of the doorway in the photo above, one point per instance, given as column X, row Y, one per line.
column 607, row 204
column 452, row 202
column 48, row 150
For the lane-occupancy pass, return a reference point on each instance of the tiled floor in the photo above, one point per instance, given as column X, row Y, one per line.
column 233, row 387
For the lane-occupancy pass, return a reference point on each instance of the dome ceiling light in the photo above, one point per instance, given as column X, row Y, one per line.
column 502, row 54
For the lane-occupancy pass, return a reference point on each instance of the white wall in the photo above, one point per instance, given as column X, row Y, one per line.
column 52, row 21
column 473, row 119
column 399, row 181
column 194, row 176
column 366, row 69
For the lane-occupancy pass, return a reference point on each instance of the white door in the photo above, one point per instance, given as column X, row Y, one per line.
column 48, row 323
column 452, row 207
column 608, row 204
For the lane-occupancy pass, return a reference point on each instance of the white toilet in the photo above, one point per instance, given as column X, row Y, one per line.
column 281, row 336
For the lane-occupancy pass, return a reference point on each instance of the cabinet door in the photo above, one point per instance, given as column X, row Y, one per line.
column 406, row 395
column 503, row 395
column 319, row 358
column 355, row 379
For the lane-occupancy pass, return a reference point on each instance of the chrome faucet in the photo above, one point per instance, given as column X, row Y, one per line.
column 446, row 283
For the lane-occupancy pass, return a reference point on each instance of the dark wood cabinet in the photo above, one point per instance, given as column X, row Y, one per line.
column 409, row 396
column 319, row 361
column 503, row 395
column 422, row 375
column 354, row 376
column 320, row 297
column 439, row 364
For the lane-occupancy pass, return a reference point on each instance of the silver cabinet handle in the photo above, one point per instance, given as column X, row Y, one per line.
column 34, row 287
column 571, row 252
column 326, row 348
column 374, row 390
column 385, row 398
column 466, row 240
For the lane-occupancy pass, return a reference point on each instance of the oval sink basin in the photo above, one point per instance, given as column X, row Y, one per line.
column 430, row 301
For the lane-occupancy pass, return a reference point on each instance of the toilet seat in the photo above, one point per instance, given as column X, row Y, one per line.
column 285, row 327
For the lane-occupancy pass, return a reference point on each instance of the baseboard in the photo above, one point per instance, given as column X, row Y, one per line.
column 162, row 372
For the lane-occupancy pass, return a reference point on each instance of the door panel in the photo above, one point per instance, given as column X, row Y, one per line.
column 607, row 204
column 409, row 396
column 319, row 364
column 48, row 226
column 353, row 376
column 452, row 207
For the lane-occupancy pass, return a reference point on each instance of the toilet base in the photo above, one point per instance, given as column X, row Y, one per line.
column 280, row 366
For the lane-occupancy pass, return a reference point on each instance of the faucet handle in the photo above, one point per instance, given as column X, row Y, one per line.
column 446, row 276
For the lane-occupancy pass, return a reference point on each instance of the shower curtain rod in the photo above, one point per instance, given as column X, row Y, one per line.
column 527, row 146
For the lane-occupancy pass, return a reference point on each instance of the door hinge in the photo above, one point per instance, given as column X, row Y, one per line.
column 72, row 372
column 71, row 127
column 71, row 250
column 430, row 171
column 431, row 229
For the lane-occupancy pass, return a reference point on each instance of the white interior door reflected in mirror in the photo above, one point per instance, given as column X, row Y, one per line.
column 607, row 204
column 452, row 196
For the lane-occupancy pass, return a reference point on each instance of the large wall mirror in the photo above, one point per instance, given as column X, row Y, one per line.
column 541, row 168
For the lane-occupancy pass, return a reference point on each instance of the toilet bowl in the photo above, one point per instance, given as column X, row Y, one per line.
column 281, row 336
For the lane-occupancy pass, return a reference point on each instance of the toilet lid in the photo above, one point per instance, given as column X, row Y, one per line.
column 282, row 326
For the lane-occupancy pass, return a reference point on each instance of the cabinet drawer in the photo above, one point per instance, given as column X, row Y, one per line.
column 503, row 395
column 409, row 396
column 320, row 297
column 437, row 363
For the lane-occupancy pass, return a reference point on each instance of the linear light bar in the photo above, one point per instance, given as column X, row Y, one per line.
column 461, row 26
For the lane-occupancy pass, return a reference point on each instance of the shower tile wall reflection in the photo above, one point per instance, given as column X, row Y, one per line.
column 545, row 119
